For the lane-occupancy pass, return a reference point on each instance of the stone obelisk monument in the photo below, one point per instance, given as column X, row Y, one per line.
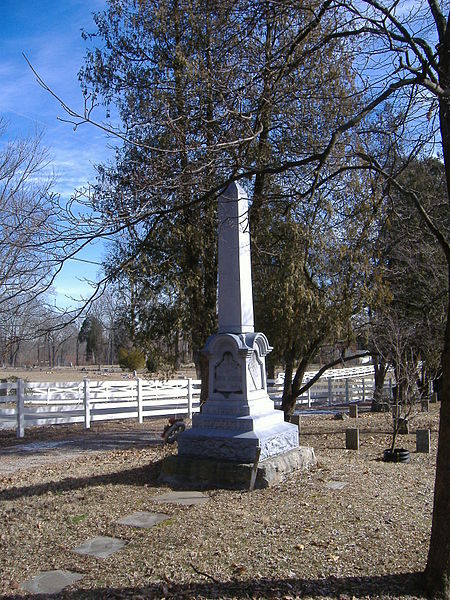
column 238, row 422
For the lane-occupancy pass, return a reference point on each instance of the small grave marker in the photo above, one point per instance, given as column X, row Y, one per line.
column 352, row 439
column 423, row 441
column 403, row 426
column 425, row 405
column 353, row 411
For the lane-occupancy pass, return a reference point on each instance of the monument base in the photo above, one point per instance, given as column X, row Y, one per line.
column 191, row 472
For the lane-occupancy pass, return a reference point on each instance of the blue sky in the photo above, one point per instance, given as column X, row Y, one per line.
column 49, row 33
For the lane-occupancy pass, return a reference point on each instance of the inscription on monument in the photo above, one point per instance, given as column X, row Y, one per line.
column 254, row 368
column 227, row 375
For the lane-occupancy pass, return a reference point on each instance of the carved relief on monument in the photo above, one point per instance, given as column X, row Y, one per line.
column 227, row 375
column 255, row 371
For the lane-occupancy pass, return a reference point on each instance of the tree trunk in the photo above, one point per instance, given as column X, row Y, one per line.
column 202, row 369
column 379, row 375
column 288, row 402
column 437, row 572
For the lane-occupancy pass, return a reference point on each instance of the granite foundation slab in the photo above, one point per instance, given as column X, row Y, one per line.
column 50, row 582
column 144, row 520
column 191, row 472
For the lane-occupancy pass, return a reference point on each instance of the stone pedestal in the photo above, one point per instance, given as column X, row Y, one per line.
column 238, row 416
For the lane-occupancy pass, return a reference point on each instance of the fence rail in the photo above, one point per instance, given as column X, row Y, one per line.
column 24, row 404
column 336, row 386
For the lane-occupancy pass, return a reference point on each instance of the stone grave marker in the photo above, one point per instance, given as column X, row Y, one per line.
column 353, row 411
column 425, row 404
column 423, row 440
column 352, row 439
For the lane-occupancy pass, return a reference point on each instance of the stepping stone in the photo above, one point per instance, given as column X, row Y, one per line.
column 50, row 582
column 185, row 497
column 336, row 485
column 101, row 547
column 143, row 519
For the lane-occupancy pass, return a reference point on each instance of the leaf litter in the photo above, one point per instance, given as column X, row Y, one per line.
column 300, row 539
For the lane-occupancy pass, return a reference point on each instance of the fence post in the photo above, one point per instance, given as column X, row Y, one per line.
column 20, row 406
column 189, row 398
column 363, row 389
column 139, row 399
column 330, row 388
column 87, row 405
column 309, row 397
column 347, row 391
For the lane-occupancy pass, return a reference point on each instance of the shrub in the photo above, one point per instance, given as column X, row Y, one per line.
column 151, row 363
column 131, row 359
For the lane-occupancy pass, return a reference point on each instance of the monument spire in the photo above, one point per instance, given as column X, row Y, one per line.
column 235, row 271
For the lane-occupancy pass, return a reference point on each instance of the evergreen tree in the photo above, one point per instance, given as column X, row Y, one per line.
column 91, row 332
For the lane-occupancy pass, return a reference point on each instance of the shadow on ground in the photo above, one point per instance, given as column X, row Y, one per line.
column 146, row 475
column 398, row 585
column 92, row 441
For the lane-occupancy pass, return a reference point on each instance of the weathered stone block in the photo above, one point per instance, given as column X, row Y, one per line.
column 423, row 441
column 425, row 404
column 352, row 439
column 205, row 473
column 353, row 411
column 403, row 425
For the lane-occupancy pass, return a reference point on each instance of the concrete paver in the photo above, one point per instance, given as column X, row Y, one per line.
column 187, row 498
column 143, row 519
column 336, row 485
column 50, row 582
column 100, row 547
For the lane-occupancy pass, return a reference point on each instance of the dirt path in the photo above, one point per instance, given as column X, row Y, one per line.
column 50, row 445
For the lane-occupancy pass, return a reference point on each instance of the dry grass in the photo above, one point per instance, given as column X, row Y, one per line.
column 102, row 373
column 300, row 539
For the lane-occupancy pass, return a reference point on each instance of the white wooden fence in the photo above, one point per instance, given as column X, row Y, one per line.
column 336, row 386
column 24, row 404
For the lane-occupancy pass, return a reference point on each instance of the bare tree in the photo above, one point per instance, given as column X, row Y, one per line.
column 29, row 221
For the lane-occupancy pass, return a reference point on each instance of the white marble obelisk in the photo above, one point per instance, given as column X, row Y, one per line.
column 238, row 417
column 234, row 265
